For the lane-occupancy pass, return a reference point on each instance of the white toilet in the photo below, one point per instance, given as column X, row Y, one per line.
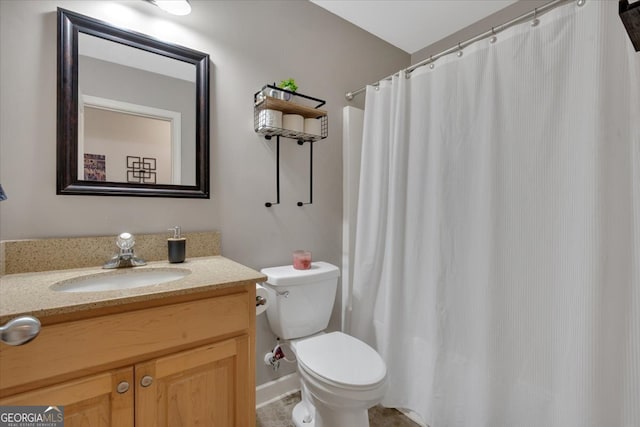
column 341, row 376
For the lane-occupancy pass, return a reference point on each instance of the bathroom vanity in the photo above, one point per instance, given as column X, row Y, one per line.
column 181, row 353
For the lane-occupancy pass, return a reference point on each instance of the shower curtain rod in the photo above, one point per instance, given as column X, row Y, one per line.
column 491, row 33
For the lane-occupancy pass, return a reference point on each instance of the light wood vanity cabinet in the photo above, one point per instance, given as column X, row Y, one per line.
column 175, row 363
column 206, row 386
column 90, row 401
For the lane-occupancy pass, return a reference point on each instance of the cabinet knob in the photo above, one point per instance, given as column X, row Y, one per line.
column 123, row 387
column 146, row 381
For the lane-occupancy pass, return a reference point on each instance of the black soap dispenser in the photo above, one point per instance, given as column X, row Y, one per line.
column 177, row 246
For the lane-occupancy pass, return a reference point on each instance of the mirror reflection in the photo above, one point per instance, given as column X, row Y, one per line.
column 122, row 115
column 134, row 113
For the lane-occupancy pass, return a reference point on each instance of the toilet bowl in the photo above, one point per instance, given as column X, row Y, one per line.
column 341, row 377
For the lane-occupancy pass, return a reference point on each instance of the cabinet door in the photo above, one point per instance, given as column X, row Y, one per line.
column 207, row 386
column 88, row 402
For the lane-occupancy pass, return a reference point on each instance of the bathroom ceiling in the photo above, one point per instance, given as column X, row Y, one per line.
column 412, row 24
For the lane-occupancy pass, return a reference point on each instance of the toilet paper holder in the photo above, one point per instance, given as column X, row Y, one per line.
column 262, row 299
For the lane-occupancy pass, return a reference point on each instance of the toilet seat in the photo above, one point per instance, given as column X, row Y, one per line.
column 342, row 361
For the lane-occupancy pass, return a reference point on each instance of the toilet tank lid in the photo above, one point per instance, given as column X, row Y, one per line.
column 286, row 275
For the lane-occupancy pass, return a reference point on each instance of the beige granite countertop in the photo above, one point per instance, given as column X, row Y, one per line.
column 30, row 293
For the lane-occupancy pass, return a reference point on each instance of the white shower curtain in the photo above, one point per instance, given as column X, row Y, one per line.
column 497, row 258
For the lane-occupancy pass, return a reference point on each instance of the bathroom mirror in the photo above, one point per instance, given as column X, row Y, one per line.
column 133, row 113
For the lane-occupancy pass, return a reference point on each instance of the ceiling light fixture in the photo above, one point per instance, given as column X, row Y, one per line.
column 174, row 7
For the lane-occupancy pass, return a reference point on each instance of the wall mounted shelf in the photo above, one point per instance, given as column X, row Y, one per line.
column 269, row 98
column 264, row 126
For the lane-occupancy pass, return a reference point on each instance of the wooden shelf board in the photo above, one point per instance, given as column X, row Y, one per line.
column 288, row 107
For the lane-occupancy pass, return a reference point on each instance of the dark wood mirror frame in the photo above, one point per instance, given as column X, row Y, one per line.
column 69, row 25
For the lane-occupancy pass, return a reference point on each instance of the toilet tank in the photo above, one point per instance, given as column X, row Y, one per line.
column 301, row 301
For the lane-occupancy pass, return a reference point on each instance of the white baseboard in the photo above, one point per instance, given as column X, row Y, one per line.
column 277, row 389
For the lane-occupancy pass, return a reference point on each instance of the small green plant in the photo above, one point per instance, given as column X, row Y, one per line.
column 288, row 84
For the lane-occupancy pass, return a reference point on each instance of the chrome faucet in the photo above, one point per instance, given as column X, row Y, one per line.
column 126, row 257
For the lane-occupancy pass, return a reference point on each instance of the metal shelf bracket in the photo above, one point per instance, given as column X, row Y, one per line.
column 277, row 202
column 300, row 142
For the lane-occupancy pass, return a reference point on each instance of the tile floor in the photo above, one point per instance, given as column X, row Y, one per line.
column 278, row 414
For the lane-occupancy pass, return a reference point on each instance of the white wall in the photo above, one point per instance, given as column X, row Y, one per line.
column 250, row 43
column 118, row 135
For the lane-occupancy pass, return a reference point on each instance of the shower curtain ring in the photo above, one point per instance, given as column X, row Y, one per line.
column 493, row 37
column 431, row 64
column 535, row 21
column 581, row 2
column 459, row 50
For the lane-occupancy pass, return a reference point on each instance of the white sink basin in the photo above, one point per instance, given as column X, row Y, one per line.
column 120, row 279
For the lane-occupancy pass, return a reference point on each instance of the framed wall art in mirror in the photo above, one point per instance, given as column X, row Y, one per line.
column 123, row 95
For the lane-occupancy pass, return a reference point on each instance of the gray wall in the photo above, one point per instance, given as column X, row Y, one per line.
column 250, row 43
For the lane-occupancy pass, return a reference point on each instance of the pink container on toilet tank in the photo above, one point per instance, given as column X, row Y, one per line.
column 301, row 260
